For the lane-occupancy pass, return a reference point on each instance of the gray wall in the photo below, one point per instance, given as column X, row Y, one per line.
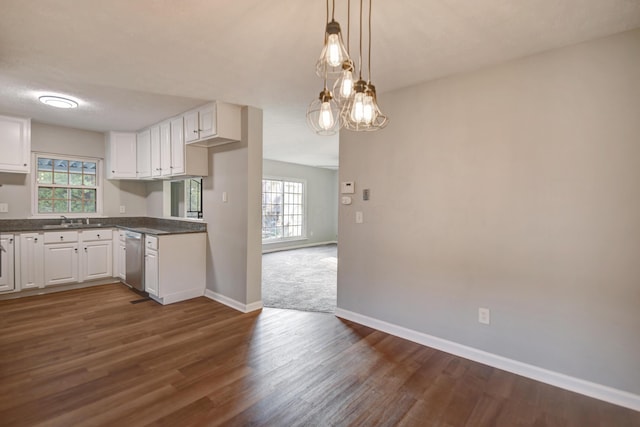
column 234, row 263
column 16, row 188
column 322, row 200
column 513, row 188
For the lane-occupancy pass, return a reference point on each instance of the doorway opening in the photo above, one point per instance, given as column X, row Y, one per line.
column 299, row 237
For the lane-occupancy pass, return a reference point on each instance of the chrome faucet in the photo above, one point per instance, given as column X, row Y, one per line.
column 64, row 219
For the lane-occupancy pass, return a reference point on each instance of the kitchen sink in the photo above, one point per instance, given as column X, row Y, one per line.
column 68, row 225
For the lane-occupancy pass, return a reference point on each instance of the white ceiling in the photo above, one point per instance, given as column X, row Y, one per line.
column 133, row 63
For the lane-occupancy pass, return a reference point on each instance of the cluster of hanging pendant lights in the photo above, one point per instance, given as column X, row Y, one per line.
column 352, row 104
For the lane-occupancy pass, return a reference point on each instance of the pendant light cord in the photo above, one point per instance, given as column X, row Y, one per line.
column 333, row 11
column 360, row 59
column 369, row 56
column 348, row 25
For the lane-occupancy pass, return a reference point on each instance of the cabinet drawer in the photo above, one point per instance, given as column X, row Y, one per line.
column 151, row 242
column 98, row 234
column 60, row 236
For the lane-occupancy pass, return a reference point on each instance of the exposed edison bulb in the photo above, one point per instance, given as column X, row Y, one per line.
column 334, row 53
column 357, row 109
column 347, row 84
column 325, row 119
column 368, row 109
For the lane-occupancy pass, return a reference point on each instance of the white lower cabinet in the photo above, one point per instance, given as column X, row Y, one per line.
column 7, row 282
column 60, row 263
column 72, row 256
column 31, row 261
column 175, row 266
column 151, row 272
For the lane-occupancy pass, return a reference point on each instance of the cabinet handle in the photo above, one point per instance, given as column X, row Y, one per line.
column 76, row 249
column 98, row 236
column 195, row 131
column 24, row 164
column 10, row 241
column 61, row 237
column 113, row 171
column 85, row 249
column 35, row 239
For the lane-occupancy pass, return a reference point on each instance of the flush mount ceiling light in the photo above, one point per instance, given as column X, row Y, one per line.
column 58, row 101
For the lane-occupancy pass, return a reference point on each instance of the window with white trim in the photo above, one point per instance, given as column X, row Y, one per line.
column 66, row 185
column 283, row 210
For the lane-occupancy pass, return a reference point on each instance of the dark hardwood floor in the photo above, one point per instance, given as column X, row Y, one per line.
column 90, row 357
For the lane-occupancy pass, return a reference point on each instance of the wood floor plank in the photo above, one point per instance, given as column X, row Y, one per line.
column 88, row 357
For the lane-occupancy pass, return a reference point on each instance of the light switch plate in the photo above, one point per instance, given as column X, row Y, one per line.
column 359, row 217
column 122, row 209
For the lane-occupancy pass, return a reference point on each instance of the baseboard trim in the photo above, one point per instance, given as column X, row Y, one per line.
column 230, row 302
column 587, row 388
column 307, row 245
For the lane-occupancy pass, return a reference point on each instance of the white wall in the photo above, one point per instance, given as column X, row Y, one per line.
column 322, row 200
column 16, row 188
column 514, row 188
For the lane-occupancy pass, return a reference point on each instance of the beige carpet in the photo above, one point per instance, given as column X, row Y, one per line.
column 301, row 279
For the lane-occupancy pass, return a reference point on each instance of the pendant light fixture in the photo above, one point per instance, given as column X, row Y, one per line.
column 343, row 87
column 323, row 114
column 361, row 113
column 333, row 54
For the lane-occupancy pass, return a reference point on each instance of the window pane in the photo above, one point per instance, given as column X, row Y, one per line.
column 61, row 166
column 45, row 193
column 45, row 206
column 45, row 164
column 61, row 206
column 75, row 167
column 61, row 178
column 45, row 177
column 61, row 193
column 90, row 168
column 90, row 195
column 76, row 206
column 75, row 179
column 90, row 180
column 76, row 193
column 90, row 206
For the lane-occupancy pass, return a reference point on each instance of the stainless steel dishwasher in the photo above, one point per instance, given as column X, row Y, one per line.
column 134, row 270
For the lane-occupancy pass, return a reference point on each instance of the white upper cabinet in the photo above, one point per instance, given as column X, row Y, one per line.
column 143, row 142
column 177, row 146
column 165, row 149
column 156, row 169
column 213, row 124
column 121, row 155
column 15, row 140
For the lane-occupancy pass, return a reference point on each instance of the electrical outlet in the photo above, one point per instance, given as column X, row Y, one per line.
column 359, row 218
column 122, row 209
column 484, row 315
column 4, row 207
column 225, row 197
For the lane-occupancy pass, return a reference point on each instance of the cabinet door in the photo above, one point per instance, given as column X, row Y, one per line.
column 15, row 134
column 121, row 155
column 60, row 263
column 156, row 169
column 143, row 154
column 151, row 272
column 207, row 121
column 7, row 282
column 177, row 147
column 191, row 124
column 97, row 260
column 165, row 149
column 122, row 261
column 31, row 261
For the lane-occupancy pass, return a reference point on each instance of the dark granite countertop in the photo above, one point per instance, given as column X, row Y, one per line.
column 147, row 225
